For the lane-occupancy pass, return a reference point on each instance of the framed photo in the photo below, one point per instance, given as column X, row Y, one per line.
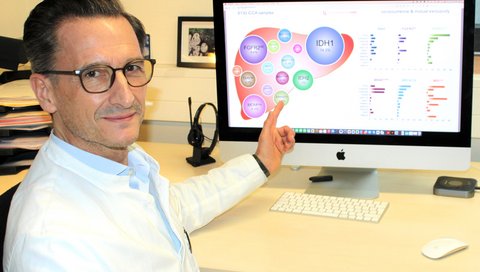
column 196, row 42
column 146, row 48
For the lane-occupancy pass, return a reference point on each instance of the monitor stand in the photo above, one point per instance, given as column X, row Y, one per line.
column 347, row 182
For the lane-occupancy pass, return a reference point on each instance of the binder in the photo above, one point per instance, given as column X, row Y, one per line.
column 23, row 127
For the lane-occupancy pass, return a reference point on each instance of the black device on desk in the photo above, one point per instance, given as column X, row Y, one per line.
column 455, row 187
column 196, row 138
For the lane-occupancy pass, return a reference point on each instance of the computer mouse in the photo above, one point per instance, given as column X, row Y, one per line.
column 442, row 247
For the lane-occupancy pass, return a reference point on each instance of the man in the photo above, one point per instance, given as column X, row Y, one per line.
column 93, row 200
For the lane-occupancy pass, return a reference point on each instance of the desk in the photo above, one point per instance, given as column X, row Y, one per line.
column 251, row 238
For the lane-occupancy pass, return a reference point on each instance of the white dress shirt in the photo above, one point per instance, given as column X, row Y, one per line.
column 69, row 216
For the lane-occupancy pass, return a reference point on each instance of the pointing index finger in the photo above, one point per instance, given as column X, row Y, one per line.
column 273, row 115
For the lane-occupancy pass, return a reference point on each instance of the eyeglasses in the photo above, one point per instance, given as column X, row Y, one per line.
column 100, row 78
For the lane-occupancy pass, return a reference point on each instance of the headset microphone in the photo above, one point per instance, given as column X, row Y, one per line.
column 190, row 109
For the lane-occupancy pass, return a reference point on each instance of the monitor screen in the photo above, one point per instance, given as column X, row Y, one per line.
column 366, row 84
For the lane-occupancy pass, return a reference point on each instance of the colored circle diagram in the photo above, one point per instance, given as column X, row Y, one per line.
column 271, row 63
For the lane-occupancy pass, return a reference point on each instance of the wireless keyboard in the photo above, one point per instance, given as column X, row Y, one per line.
column 330, row 206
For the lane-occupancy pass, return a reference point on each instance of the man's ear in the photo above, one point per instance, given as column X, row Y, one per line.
column 43, row 89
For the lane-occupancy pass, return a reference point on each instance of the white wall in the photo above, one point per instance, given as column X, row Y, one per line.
column 477, row 12
column 12, row 15
column 476, row 107
column 476, row 118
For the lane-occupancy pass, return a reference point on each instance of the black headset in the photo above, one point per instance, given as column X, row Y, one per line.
column 196, row 137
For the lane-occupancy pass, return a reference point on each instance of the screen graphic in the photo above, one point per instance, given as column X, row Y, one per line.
column 361, row 67
column 260, row 86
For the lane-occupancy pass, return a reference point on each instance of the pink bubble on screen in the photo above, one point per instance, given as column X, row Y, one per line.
column 267, row 89
column 253, row 49
column 282, row 78
column 297, row 48
column 254, row 106
column 248, row 79
column 237, row 70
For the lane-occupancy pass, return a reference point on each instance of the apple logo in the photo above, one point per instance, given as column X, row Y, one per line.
column 341, row 155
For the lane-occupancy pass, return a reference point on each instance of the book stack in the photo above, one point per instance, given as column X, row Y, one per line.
column 24, row 126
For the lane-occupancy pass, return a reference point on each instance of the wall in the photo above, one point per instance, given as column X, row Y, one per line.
column 167, row 110
column 476, row 113
column 12, row 15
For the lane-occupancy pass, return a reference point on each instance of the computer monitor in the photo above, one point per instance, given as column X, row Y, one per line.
column 366, row 84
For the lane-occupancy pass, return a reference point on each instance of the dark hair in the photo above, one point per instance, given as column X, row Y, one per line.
column 40, row 28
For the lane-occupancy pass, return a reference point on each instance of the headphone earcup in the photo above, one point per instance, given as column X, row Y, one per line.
column 195, row 136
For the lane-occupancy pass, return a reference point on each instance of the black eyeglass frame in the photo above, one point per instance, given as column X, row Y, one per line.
column 112, row 78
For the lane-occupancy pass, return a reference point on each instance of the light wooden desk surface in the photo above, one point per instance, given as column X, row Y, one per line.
column 251, row 238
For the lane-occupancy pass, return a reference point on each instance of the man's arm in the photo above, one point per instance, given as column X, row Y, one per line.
column 200, row 199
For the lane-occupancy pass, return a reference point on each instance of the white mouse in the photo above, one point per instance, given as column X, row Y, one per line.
column 442, row 247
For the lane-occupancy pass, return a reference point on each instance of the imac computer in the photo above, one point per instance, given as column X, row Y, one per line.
column 366, row 84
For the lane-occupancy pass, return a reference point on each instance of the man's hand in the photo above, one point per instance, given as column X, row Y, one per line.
column 274, row 142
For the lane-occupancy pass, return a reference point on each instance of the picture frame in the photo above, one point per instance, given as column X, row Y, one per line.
column 196, row 42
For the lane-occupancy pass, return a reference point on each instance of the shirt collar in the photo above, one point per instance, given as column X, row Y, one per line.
column 94, row 161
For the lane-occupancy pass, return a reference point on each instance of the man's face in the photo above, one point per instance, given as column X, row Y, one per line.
column 98, row 122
